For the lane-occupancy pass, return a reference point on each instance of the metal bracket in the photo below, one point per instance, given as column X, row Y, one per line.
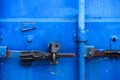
column 91, row 52
column 27, row 26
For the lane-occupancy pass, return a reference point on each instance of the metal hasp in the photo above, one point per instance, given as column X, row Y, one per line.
column 106, row 53
column 91, row 53
column 52, row 55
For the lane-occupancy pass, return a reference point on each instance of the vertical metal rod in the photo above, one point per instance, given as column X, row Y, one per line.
column 81, row 39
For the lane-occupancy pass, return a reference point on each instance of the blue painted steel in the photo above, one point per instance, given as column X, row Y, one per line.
column 56, row 21
column 102, row 23
column 102, row 68
column 53, row 19
column 81, row 39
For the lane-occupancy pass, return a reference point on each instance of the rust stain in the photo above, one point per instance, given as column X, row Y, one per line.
column 98, row 53
column 8, row 54
column 107, row 53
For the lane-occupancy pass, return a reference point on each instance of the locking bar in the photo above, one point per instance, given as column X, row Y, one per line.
column 29, row 56
column 91, row 53
column 53, row 54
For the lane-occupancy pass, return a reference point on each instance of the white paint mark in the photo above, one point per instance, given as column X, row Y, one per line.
column 53, row 73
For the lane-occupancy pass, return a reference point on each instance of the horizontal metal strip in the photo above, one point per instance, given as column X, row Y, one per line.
column 38, row 20
column 57, row 20
column 103, row 20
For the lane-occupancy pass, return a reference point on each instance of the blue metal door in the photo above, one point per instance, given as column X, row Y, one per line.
column 79, row 26
column 32, row 25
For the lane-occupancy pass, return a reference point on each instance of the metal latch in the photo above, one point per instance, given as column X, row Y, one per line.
column 52, row 55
